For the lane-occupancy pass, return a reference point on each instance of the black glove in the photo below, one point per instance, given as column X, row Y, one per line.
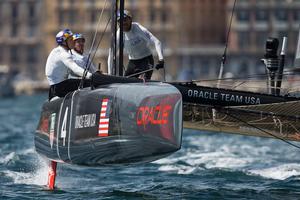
column 160, row 64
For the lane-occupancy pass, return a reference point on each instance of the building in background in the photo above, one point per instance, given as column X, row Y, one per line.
column 254, row 21
column 193, row 32
column 83, row 15
column 21, row 37
column 202, row 29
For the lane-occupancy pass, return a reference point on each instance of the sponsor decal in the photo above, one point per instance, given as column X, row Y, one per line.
column 52, row 126
column 44, row 125
column 104, row 118
column 224, row 97
column 85, row 121
column 156, row 115
column 159, row 116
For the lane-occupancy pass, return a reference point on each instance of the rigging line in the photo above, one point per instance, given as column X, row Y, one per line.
column 293, row 126
column 101, row 38
column 232, row 78
column 227, row 37
column 139, row 73
column 95, row 35
column 258, row 128
column 226, row 44
column 246, row 110
column 253, row 76
column 151, row 68
column 89, row 61
column 241, row 83
column 98, row 24
column 237, row 78
column 86, row 71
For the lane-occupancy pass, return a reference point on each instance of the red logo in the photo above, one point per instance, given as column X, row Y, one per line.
column 156, row 115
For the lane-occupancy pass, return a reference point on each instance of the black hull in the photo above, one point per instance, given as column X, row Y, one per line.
column 109, row 151
column 68, row 130
column 112, row 125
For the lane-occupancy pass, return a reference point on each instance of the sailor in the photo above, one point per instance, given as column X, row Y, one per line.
column 79, row 57
column 59, row 65
column 137, row 44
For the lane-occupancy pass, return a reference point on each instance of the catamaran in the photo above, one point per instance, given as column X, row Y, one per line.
column 121, row 121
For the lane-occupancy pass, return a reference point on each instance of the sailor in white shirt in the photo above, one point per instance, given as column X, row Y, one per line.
column 137, row 44
column 59, row 65
column 79, row 57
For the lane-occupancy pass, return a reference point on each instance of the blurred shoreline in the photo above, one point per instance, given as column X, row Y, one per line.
column 30, row 87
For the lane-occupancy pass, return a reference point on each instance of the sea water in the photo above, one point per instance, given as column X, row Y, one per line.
column 208, row 166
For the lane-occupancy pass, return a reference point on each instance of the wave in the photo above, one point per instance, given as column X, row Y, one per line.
column 208, row 152
column 178, row 169
column 280, row 172
column 37, row 175
column 192, row 161
column 8, row 158
column 252, row 156
column 15, row 156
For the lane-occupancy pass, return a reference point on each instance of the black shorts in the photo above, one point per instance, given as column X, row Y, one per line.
column 63, row 88
column 135, row 66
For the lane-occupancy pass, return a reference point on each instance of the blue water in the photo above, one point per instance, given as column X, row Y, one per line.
column 209, row 166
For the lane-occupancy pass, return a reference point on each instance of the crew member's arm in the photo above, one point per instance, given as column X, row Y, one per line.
column 153, row 41
column 69, row 62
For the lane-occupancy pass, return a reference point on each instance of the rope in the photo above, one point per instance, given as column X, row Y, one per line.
column 142, row 72
column 96, row 32
column 101, row 37
column 256, row 127
column 164, row 74
column 89, row 61
column 86, row 69
column 226, row 46
column 253, row 76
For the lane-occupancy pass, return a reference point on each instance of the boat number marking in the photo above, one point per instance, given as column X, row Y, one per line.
column 64, row 127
